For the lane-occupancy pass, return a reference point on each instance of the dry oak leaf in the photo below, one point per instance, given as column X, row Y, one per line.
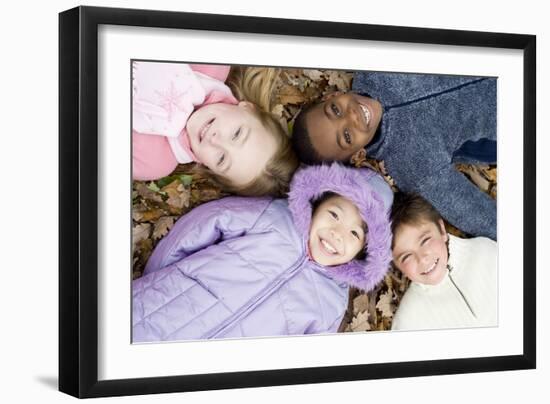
column 139, row 233
column 385, row 304
column 388, row 281
column 341, row 80
column 313, row 74
column 360, row 322
column 490, row 173
column 360, row 303
column 291, row 95
column 162, row 226
column 146, row 193
column 143, row 214
column 291, row 76
column 477, row 177
column 178, row 196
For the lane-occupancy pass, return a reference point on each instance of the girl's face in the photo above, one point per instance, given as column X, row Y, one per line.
column 420, row 252
column 337, row 232
column 342, row 124
column 231, row 141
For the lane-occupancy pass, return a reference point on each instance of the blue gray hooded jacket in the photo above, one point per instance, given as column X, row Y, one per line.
column 426, row 118
column 238, row 267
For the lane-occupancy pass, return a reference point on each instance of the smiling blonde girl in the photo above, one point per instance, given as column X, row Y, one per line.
column 185, row 113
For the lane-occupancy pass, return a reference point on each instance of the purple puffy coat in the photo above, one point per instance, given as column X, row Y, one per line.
column 238, row 267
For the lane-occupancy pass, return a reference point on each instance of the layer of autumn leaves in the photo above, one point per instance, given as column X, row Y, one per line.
column 158, row 204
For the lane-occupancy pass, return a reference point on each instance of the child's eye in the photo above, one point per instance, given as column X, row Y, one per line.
column 405, row 258
column 425, row 240
column 236, row 134
column 347, row 136
column 333, row 214
column 335, row 109
column 221, row 160
column 356, row 234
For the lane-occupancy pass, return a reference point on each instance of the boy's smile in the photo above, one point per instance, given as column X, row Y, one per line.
column 420, row 252
column 342, row 124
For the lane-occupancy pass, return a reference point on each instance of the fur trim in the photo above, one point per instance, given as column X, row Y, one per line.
column 357, row 185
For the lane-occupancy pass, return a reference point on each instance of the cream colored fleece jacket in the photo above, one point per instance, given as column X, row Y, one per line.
column 466, row 297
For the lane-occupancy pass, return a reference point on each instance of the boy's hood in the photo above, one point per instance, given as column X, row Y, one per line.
column 372, row 196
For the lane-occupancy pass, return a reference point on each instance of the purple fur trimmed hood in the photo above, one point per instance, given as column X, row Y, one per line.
column 372, row 196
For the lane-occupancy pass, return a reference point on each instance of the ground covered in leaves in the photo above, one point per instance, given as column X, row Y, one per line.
column 158, row 204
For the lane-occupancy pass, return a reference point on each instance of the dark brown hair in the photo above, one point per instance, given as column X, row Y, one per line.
column 412, row 209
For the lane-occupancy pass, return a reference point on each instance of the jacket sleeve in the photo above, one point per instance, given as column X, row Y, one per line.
column 205, row 225
column 218, row 72
column 163, row 97
column 460, row 202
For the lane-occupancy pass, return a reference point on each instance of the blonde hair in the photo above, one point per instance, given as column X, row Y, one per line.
column 256, row 85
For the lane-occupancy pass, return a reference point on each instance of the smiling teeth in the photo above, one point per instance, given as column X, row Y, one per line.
column 431, row 268
column 328, row 247
column 204, row 131
column 366, row 112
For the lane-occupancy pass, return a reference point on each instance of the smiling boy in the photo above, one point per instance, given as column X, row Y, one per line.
column 454, row 280
column 420, row 125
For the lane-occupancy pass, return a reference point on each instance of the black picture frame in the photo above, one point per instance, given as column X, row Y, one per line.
column 78, row 196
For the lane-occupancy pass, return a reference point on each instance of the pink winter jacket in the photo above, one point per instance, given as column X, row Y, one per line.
column 164, row 95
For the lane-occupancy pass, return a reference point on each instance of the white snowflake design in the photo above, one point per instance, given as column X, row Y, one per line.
column 170, row 100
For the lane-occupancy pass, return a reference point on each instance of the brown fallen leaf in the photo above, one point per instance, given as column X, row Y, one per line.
column 388, row 281
column 140, row 232
column 143, row 251
column 477, row 177
column 291, row 95
column 340, row 79
column 178, row 197
column 385, row 304
column 313, row 74
column 146, row 193
column 290, row 78
column 162, row 226
column 360, row 303
column 490, row 173
column 148, row 215
column 360, row 322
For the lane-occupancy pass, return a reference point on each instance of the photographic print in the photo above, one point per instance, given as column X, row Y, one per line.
column 287, row 266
